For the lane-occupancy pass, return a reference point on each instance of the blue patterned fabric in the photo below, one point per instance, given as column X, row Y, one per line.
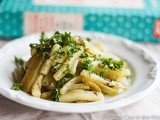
column 135, row 24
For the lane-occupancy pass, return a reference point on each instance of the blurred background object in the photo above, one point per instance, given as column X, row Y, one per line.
column 138, row 20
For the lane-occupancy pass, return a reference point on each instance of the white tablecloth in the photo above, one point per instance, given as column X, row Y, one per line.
column 147, row 108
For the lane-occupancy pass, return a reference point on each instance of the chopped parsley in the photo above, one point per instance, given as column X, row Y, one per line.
column 56, row 91
column 63, row 39
column 61, row 82
column 111, row 64
column 45, row 54
column 71, row 49
column 97, row 57
column 43, row 38
column 86, row 64
column 88, row 39
column 55, row 94
column 56, row 65
column 59, row 53
column 67, row 39
column 68, row 70
column 18, row 61
column 84, row 55
column 16, row 86
column 101, row 74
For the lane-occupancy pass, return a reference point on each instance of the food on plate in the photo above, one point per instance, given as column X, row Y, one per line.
column 66, row 68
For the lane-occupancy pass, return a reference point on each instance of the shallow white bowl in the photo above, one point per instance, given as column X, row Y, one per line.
column 145, row 69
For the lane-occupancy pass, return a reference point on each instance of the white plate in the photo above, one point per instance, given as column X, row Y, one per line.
column 144, row 67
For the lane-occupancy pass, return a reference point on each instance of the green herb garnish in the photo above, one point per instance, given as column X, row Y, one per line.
column 18, row 61
column 16, row 86
column 56, row 65
column 56, row 91
column 86, row 64
column 61, row 82
column 101, row 74
column 111, row 64
column 44, row 47
column 55, row 94
column 59, row 53
column 71, row 49
column 97, row 57
column 68, row 70
column 88, row 39
column 43, row 38
column 84, row 55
